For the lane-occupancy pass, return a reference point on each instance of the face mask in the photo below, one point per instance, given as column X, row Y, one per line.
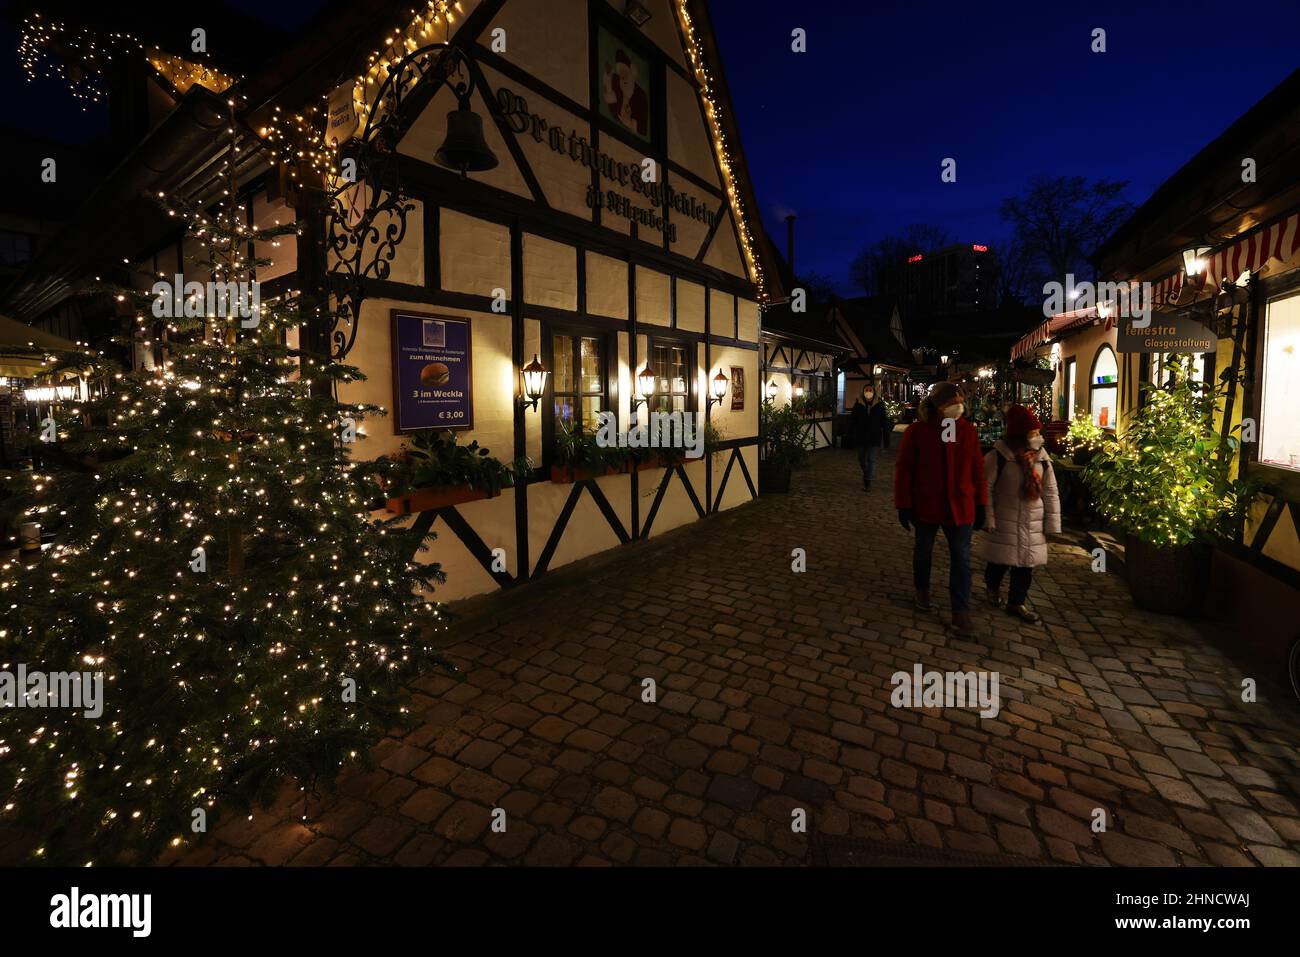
column 1036, row 442
column 868, row 396
column 954, row 411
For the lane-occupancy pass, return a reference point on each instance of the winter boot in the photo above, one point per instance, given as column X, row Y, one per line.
column 961, row 625
column 1024, row 613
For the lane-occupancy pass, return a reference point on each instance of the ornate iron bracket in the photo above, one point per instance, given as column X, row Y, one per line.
column 365, row 211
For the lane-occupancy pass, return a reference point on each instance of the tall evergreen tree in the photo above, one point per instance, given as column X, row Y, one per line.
column 215, row 558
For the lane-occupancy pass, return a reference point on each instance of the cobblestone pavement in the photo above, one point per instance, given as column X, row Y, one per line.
column 774, row 694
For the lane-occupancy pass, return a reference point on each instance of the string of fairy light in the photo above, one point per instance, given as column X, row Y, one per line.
column 222, row 428
column 1165, row 492
column 296, row 139
column 725, row 162
column 138, row 531
column 80, row 56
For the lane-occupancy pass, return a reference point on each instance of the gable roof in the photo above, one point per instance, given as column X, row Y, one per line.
column 182, row 153
column 867, row 322
column 746, row 198
column 1207, row 196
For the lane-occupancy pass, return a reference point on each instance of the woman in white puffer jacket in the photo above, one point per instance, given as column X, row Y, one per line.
column 1024, row 509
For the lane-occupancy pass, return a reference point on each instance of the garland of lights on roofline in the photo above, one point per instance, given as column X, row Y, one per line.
column 83, row 56
column 297, row 139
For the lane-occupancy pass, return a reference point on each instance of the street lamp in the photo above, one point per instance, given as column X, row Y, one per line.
column 771, row 389
column 720, row 383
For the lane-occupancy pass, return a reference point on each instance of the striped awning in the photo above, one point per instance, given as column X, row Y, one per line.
column 1053, row 327
column 1277, row 242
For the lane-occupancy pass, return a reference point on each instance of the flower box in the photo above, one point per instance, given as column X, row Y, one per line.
column 568, row 474
column 426, row 499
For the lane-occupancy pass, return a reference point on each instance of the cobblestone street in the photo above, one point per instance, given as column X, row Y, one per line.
column 774, row 694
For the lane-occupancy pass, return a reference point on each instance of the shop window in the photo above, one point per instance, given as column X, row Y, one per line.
column 578, row 381
column 1279, row 437
column 673, row 366
column 1162, row 368
column 1071, row 388
column 1103, row 388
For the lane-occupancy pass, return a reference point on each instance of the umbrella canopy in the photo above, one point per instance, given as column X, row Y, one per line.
column 14, row 361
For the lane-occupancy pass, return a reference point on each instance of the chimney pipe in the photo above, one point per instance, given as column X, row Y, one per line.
column 789, row 241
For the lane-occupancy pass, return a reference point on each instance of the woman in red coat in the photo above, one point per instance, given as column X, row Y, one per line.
column 939, row 483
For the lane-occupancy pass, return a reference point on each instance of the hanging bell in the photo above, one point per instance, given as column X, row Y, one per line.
column 465, row 149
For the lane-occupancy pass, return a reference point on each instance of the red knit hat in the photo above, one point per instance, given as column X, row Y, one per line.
column 1020, row 422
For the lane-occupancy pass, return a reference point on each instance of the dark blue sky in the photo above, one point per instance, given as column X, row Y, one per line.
column 851, row 134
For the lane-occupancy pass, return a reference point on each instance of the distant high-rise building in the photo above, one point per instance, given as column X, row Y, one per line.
column 958, row 278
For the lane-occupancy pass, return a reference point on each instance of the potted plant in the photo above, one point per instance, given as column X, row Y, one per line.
column 436, row 472
column 579, row 456
column 1164, row 483
column 783, row 446
column 1085, row 438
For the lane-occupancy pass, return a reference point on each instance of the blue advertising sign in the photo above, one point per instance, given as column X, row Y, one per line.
column 432, row 374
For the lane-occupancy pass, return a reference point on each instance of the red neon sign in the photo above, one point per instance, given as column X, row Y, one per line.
column 914, row 259
column 978, row 248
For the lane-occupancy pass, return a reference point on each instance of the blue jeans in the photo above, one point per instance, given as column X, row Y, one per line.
column 867, row 455
column 959, row 537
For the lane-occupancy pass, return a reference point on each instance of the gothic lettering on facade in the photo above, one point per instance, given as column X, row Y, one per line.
column 514, row 109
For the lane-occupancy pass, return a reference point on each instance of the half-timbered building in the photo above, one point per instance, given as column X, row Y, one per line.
column 607, row 228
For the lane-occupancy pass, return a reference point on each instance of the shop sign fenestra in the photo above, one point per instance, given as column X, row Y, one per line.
column 1165, row 333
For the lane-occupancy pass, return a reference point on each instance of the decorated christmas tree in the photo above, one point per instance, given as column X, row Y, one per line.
column 215, row 560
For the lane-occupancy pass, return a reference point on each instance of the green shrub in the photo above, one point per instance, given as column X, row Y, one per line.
column 784, row 435
column 1165, row 479
column 437, row 460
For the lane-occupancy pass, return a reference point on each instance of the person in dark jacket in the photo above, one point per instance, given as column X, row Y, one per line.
column 869, row 429
column 939, row 483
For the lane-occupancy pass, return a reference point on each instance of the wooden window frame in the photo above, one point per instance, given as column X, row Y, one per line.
column 691, row 349
column 609, row 370
column 1093, row 386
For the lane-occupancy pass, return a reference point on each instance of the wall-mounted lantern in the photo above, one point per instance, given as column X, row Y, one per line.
column 47, row 394
column 877, row 370
column 645, row 387
column 771, row 389
column 534, row 383
column 798, row 391
column 1194, row 263
column 719, row 388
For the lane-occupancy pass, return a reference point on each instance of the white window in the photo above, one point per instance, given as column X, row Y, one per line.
column 1162, row 368
column 1279, row 437
column 1103, row 388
